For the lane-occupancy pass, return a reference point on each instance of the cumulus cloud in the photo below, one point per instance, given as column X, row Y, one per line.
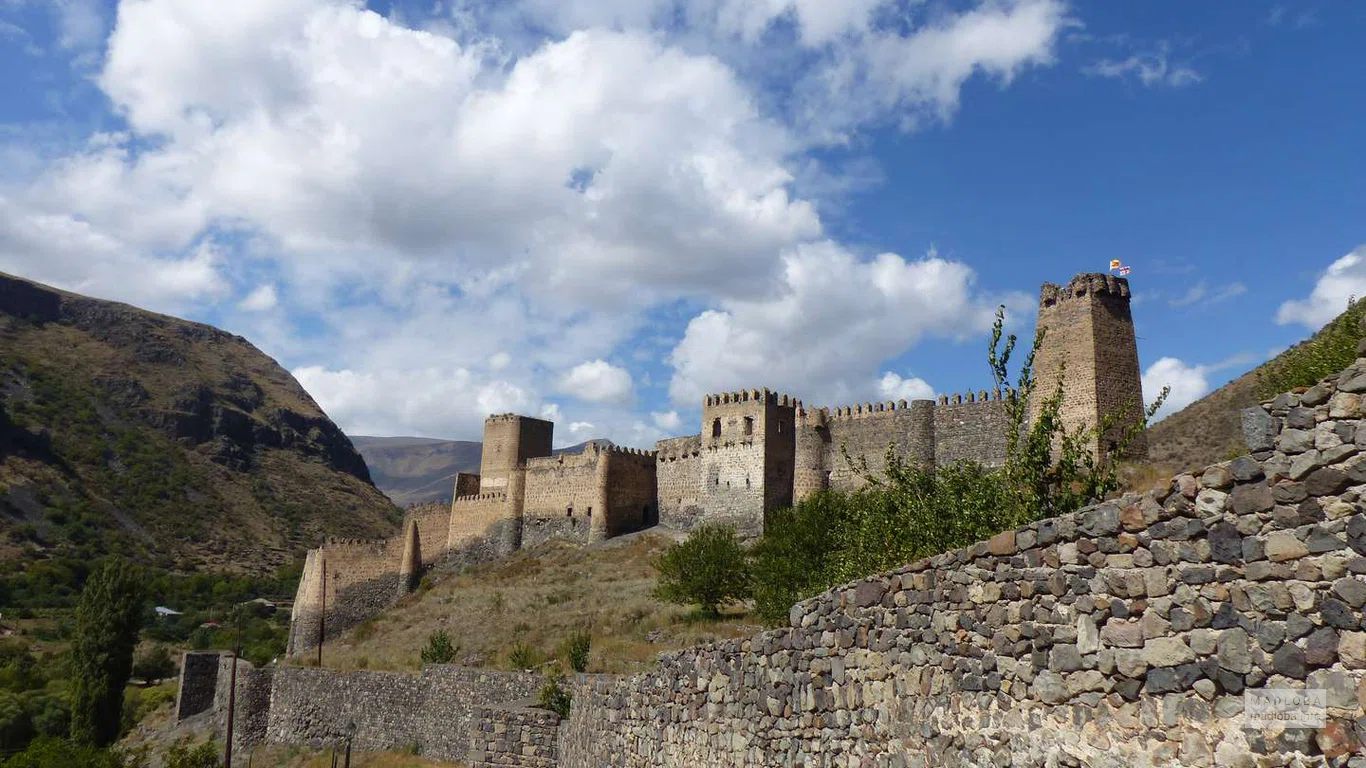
column 261, row 299
column 833, row 321
column 598, row 381
column 893, row 386
column 1188, row 383
column 1343, row 279
column 668, row 421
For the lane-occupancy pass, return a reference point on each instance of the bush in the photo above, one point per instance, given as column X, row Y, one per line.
column 203, row 756
column 554, row 697
column 707, row 569
column 1328, row 351
column 577, row 649
column 523, row 656
column 154, row 666
column 48, row 752
column 439, row 649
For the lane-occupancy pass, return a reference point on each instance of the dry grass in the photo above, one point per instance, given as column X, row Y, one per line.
column 539, row 597
column 293, row 757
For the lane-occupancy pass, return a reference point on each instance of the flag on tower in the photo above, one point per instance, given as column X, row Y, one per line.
column 1123, row 271
column 1114, row 264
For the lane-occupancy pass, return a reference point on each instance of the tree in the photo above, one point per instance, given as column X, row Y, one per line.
column 154, row 666
column 439, row 649
column 102, row 650
column 708, row 569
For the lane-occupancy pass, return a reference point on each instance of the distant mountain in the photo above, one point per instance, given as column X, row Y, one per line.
column 421, row 470
column 171, row 441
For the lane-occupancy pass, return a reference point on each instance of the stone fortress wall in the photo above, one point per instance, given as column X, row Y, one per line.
column 757, row 451
column 1125, row 634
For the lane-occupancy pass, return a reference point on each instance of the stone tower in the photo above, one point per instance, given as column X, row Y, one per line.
column 509, row 440
column 748, row 447
column 1089, row 339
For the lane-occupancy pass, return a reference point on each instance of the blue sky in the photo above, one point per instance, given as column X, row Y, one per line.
column 597, row 210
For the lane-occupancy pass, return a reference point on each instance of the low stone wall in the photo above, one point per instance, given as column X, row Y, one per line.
column 515, row 734
column 1123, row 635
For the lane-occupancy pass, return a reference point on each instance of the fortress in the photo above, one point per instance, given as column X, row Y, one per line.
column 757, row 451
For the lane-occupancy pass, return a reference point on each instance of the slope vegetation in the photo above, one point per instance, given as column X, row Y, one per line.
column 173, row 442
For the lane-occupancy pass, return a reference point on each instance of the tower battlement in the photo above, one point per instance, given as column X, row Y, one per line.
column 765, row 396
column 1086, row 284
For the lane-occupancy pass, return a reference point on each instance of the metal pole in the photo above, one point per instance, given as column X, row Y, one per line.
column 232, row 696
column 348, row 752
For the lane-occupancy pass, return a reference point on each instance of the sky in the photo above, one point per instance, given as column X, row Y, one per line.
column 598, row 211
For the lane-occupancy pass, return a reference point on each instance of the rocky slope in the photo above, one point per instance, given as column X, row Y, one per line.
column 172, row 441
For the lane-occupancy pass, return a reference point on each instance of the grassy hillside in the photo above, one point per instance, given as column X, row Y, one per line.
column 538, row 598
column 1209, row 430
column 175, row 443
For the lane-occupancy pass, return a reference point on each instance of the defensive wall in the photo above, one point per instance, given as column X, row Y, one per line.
column 1126, row 634
column 757, row 451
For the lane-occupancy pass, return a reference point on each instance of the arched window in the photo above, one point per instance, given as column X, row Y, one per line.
column 749, row 425
column 716, row 428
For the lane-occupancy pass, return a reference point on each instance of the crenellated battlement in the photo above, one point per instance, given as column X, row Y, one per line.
column 979, row 396
column 639, row 453
column 337, row 542
column 765, row 396
column 480, row 498
column 1090, row 283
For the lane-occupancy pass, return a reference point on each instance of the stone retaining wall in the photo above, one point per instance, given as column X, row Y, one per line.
column 1122, row 635
column 516, row 734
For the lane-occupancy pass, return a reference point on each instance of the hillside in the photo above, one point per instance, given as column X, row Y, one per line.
column 174, row 442
column 1209, row 430
column 538, row 598
column 421, row 470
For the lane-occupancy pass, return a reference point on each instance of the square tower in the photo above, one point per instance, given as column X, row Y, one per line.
column 748, row 448
column 1089, row 341
column 509, row 440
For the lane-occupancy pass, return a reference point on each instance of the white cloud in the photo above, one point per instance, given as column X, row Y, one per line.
column 668, row 421
column 261, row 299
column 1200, row 294
column 1153, row 68
column 1188, row 383
column 1343, row 279
column 598, row 381
column 830, row 324
column 499, row 360
column 893, row 386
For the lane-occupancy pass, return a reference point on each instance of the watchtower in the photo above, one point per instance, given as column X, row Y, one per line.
column 1089, row 341
column 509, row 440
column 748, row 448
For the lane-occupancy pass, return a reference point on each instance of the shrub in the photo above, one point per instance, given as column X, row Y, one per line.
column 48, row 752
column 203, row 756
column 522, row 656
column 1328, row 351
column 707, row 569
column 555, row 697
column 439, row 649
column 578, row 647
column 154, row 666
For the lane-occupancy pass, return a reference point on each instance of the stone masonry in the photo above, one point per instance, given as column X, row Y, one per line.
column 1125, row 634
column 757, row 451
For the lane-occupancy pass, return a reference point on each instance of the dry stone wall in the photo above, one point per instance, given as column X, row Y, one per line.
column 516, row 735
column 1123, row 635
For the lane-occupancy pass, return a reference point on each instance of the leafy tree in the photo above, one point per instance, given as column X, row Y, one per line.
column 102, row 650
column 707, row 569
column 155, row 665
column 439, row 649
column 48, row 752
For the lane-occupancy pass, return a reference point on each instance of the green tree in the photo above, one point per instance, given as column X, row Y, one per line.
column 154, row 666
column 577, row 649
column 707, row 569
column 102, row 651
column 439, row 649
column 48, row 752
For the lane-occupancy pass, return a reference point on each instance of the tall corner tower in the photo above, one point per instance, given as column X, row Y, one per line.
column 509, row 440
column 1089, row 340
column 749, row 452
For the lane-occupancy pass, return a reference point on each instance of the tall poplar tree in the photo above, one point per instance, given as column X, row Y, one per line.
column 102, row 651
